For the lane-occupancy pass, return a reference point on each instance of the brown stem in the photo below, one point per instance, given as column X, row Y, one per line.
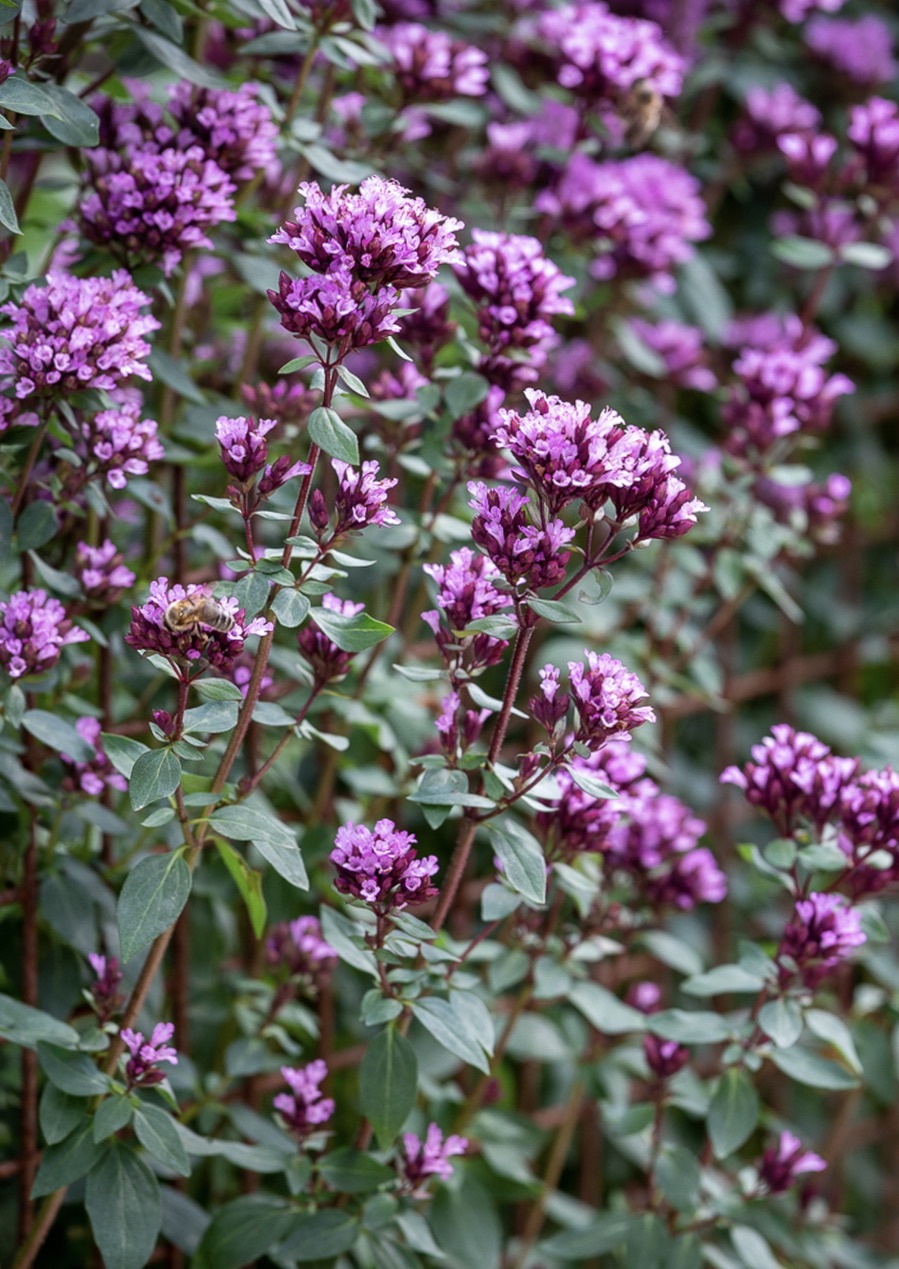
column 25, row 475
column 28, row 1095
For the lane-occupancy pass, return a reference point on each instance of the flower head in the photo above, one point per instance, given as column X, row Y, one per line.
column 233, row 128
column 143, row 1065
column 664, row 1057
column 606, row 697
column 783, row 1163
column 298, row 947
column 101, row 572
column 381, row 866
column 209, row 637
column 681, row 349
column 823, row 932
column 430, row 66
column 328, row 662
column 466, row 593
column 526, row 554
column 336, row 307
column 361, row 498
column 304, row 1108
column 117, row 443
column 34, row 629
column 104, row 993
column 423, row 1159
column 97, row 773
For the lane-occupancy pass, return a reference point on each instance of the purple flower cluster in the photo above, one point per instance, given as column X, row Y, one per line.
column 528, row 555
column 328, row 662
column 362, row 249
column 566, row 455
column 34, row 629
column 143, row 1065
column 874, row 133
column 600, row 55
column 642, row 215
column 681, row 350
column 606, row 699
column 664, row 1057
column 244, row 451
column 428, row 65
column 428, row 328
column 459, row 728
column 516, row 290
column 104, row 993
column 361, row 499
column 381, row 866
column 823, row 932
column 423, row 1159
column 814, row 508
column 118, row 443
column 71, row 334
column 578, row 821
column 298, row 948
column 466, row 593
column 98, row 773
column 861, row 49
column 101, row 573
column 233, row 128
column 304, row 1108
column 152, row 205
column 868, row 823
column 783, row 1163
column 200, row 643
column 798, row 10
column 783, row 388
column 772, row 113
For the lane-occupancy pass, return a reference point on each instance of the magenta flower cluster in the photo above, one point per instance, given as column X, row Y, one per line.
column 117, row 443
column 781, row 1164
column 381, row 866
column 143, row 1065
column 244, row 450
column 298, row 947
column 34, row 629
column 327, row 661
column 422, row 1160
column 101, row 572
column 430, row 66
column 823, row 932
column 304, row 1108
column 97, row 773
column 233, row 128
column 104, row 992
column 199, row 645
column 606, row 699
column 466, row 593
column 362, row 249
column 71, row 334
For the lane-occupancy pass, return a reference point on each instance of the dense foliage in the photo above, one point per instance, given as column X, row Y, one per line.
column 447, row 506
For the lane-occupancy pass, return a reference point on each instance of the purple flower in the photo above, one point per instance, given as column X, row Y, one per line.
column 71, row 334
column 361, row 499
column 98, row 773
column 33, row 631
column 304, row 1108
column 243, row 444
column 681, row 349
column 526, row 554
column 606, row 697
column 101, row 573
column 814, row 509
column 104, row 993
column 794, row 778
column 798, row 10
column 550, row 707
column 783, row 1163
column 199, row 642
column 466, row 593
column 328, row 662
column 823, row 932
column 234, row 129
column 602, row 55
column 642, row 214
column 580, row 822
column 423, row 1159
column 117, row 443
column 337, row 308
column 152, row 205
column 458, row 728
column 645, row 996
column 868, row 818
column 143, row 1065
column 783, row 388
column 664, row 1057
column 428, row 328
column 430, row 66
column 298, row 947
column 381, row 235
column 380, row 865
column 874, row 132
column 516, row 290
column 771, row 112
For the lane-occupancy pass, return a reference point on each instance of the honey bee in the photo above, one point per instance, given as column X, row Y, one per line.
column 641, row 112
column 187, row 616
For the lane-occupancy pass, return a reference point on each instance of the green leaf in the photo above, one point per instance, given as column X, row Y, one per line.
column 684, row 1252
column 26, row 1026
column 57, row 734
column 156, row 774
column 552, row 610
column 319, row 1236
column 803, row 253
column 37, row 524
column 590, row 783
column 122, row 751
column 26, row 98
column 122, row 1201
column 522, row 858
column 866, row 255
column 812, row 1069
column 445, row 787
column 290, row 607
column 498, row 627
column 174, row 59
column 833, row 1030
column 418, row 673
column 733, row 1113
column 248, row 882
column 75, row 123
column 8, row 218
column 113, row 1114
column 351, row 1171
column 218, row 690
column 152, row 899
column 328, row 431
column 451, row 1029
column 66, row 1162
column 243, row 1230
column 157, row 1134
column 724, row 979
column 604, row 1011
column 74, row 1073
column 59, row 1113
column 353, row 382
column 213, row 717
column 677, row 1176
column 752, row 1248
column 166, row 19
column 781, row 1021
column 274, row 840
column 602, row 1235
column 388, row 1083
column 686, row 1027
column 339, row 932
column 170, row 371
column 351, row 634
column 465, row 392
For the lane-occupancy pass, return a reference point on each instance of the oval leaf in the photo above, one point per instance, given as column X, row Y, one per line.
column 156, row 774
column 733, row 1113
column 152, row 899
column 388, row 1083
column 122, row 1200
column 329, row 432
